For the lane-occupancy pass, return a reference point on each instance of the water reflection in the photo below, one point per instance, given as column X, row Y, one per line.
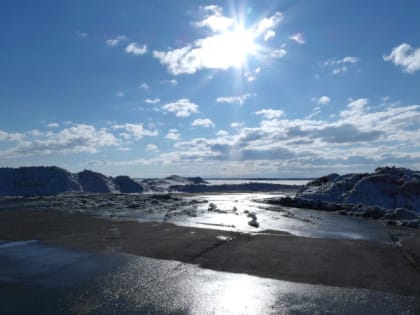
column 232, row 213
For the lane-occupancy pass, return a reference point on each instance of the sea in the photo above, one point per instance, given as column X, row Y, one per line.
column 238, row 181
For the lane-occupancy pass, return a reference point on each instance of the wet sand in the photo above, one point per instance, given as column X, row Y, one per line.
column 276, row 255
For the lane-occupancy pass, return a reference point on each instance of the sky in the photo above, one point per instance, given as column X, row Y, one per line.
column 210, row 88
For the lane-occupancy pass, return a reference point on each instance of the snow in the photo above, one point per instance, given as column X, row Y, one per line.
column 387, row 187
column 389, row 194
column 52, row 180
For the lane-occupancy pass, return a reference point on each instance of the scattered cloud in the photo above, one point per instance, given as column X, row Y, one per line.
column 135, row 131
column 406, row 57
column 240, row 99
column 172, row 82
column 270, row 113
column 152, row 100
column 7, row 136
column 79, row 138
column 323, row 100
column 203, row 123
column 222, row 133
column 53, row 125
column 136, row 49
column 112, row 42
column 267, row 24
column 214, row 19
column 152, row 148
column 340, row 65
column 120, row 94
column 237, row 125
column 144, row 86
column 228, row 46
column 278, row 53
column 357, row 133
column 298, row 38
column 269, row 34
column 182, row 108
column 173, row 134
column 82, row 34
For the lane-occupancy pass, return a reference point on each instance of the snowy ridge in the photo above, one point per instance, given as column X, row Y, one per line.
column 51, row 180
column 387, row 187
column 165, row 184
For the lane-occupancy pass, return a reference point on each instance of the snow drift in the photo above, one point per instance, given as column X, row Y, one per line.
column 390, row 194
column 51, row 180
column 387, row 187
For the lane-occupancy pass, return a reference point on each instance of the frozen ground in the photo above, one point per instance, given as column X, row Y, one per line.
column 240, row 212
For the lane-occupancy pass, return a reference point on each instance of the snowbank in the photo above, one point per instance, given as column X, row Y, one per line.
column 390, row 193
column 165, row 184
column 387, row 187
column 51, row 180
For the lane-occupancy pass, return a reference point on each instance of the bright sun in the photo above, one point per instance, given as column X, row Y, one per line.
column 230, row 48
column 239, row 44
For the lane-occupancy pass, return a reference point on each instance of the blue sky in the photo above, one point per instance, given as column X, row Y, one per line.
column 210, row 88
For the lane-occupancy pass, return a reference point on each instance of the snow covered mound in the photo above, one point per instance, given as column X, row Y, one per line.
column 128, row 185
column 51, row 180
column 37, row 181
column 387, row 187
column 165, row 184
column 96, row 182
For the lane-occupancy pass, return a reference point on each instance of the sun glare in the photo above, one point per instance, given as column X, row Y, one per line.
column 240, row 44
column 230, row 48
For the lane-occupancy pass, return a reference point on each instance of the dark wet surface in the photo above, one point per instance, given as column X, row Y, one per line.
column 40, row 279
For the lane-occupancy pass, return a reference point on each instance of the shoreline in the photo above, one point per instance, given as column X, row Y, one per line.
column 279, row 255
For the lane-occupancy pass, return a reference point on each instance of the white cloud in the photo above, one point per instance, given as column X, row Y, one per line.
column 214, row 19
column 237, row 125
column 222, row 50
column 172, row 82
column 341, row 65
column 278, row 53
column 182, row 108
column 406, row 57
column 240, row 99
column 270, row 113
column 298, row 38
column 135, row 131
column 222, row 133
column 173, row 134
column 152, row 100
column 79, row 138
column 7, row 136
column 112, row 42
column 136, row 49
column 357, row 134
column 203, row 123
column 269, row 34
column 144, row 86
column 323, row 100
column 267, row 24
column 120, row 94
column 152, row 148
column 53, row 125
